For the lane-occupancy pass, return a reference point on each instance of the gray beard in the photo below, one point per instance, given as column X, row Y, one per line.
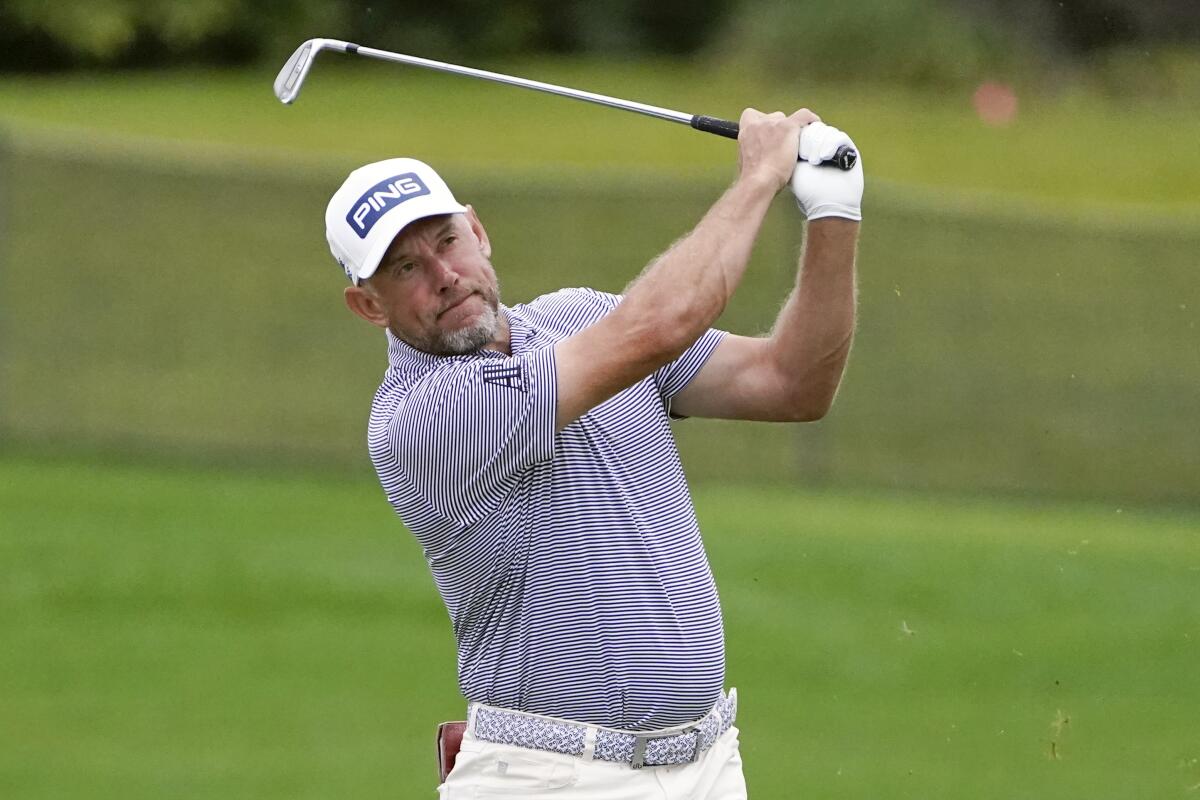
column 465, row 340
column 468, row 340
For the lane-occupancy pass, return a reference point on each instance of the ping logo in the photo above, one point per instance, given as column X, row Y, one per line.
column 381, row 198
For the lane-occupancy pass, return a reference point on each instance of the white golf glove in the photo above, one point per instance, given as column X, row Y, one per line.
column 826, row 191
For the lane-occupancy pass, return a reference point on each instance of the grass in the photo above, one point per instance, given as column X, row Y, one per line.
column 995, row 355
column 1027, row 322
column 196, row 633
column 1064, row 150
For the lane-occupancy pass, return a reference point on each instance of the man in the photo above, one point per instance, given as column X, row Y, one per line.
column 529, row 450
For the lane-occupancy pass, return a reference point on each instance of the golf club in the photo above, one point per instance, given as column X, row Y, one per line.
column 291, row 77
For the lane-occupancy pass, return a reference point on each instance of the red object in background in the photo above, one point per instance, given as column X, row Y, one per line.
column 995, row 103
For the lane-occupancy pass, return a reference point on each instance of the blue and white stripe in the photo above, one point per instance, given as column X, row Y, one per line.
column 571, row 564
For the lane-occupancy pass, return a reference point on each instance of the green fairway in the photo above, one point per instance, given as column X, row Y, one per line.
column 195, row 634
column 1064, row 148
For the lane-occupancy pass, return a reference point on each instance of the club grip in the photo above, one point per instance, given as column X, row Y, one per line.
column 721, row 127
column 844, row 159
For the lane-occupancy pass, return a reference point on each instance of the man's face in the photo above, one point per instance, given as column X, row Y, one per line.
column 435, row 287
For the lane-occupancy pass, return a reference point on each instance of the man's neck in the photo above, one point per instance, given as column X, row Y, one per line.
column 503, row 341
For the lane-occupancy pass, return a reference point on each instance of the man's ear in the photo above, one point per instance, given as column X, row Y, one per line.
column 485, row 245
column 364, row 303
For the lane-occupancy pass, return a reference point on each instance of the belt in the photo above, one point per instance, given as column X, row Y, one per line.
column 679, row 745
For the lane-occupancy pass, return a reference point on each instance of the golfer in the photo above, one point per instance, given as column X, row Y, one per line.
column 528, row 448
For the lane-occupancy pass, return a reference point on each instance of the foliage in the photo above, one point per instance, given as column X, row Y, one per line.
column 39, row 35
column 925, row 41
column 916, row 42
column 1169, row 73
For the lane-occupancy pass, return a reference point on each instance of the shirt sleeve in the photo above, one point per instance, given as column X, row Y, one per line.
column 466, row 433
column 672, row 377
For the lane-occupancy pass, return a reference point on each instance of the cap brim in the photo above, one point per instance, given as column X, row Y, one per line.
column 387, row 229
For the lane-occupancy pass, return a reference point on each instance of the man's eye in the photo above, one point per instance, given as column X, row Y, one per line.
column 403, row 268
column 449, row 240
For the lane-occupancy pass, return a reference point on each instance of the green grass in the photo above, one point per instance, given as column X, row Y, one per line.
column 204, row 319
column 195, row 634
column 1065, row 148
column 1028, row 323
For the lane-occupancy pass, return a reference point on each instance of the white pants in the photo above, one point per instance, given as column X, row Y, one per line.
column 484, row 770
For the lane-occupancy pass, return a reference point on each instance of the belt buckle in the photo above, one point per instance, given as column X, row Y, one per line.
column 640, row 741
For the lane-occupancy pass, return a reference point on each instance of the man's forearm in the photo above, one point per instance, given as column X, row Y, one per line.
column 683, row 291
column 812, row 335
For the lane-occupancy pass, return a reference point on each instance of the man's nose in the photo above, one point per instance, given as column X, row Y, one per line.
column 444, row 274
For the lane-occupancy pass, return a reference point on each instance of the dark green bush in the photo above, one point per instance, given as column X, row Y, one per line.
column 920, row 42
column 36, row 35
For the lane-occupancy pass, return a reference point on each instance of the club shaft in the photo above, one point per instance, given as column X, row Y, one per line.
column 291, row 78
column 524, row 83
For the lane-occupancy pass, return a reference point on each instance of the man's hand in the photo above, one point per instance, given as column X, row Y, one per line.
column 769, row 144
column 821, row 191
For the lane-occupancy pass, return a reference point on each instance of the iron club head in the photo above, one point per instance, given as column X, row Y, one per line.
column 295, row 70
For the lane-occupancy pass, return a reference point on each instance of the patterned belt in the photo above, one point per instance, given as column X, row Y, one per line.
column 679, row 745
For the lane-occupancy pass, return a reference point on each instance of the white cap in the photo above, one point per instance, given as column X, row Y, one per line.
column 375, row 203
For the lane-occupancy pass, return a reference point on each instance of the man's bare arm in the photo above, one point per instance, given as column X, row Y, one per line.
column 682, row 293
column 792, row 374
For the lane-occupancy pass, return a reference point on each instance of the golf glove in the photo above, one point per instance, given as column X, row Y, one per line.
column 826, row 191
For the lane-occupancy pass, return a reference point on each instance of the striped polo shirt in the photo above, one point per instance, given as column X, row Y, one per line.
column 570, row 563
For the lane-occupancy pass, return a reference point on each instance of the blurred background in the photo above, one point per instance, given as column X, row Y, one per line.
column 980, row 574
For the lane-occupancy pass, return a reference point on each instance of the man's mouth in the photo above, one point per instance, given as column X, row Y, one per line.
column 455, row 304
